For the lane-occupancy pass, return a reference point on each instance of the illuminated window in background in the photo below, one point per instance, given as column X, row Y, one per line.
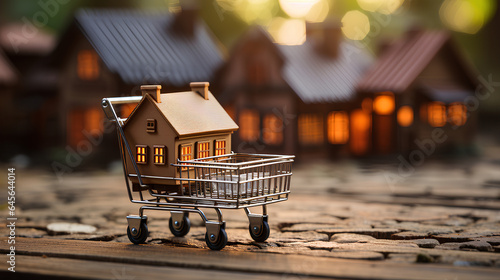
column 88, row 65
column 186, row 153
column 338, row 127
column 220, row 147
column 272, row 129
column 231, row 112
column 310, row 129
column 457, row 114
column 93, row 119
column 126, row 110
column 436, row 114
column 249, row 125
column 141, row 154
column 159, row 155
column 203, row 149
column 360, row 132
column 384, row 104
column 405, row 116
column 80, row 121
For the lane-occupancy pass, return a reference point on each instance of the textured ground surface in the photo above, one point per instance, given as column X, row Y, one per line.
column 445, row 214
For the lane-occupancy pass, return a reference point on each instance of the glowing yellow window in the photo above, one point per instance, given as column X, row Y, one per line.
column 88, row 65
column 338, row 127
column 159, row 155
column 310, row 129
column 405, row 116
column 186, row 153
column 203, row 149
column 141, row 154
column 220, row 147
column 272, row 129
column 457, row 114
column 249, row 125
column 436, row 114
column 384, row 103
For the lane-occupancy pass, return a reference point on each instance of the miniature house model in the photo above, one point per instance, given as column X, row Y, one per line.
column 165, row 127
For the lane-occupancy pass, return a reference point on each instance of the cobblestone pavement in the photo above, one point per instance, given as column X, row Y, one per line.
column 444, row 212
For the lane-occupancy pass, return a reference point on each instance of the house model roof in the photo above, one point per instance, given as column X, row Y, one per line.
column 402, row 62
column 190, row 113
column 143, row 47
column 318, row 78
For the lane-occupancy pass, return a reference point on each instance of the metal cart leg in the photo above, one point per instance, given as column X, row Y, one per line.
column 259, row 227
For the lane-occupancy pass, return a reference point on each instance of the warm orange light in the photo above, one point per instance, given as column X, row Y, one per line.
column 436, row 114
column 88, row 65
column 203, row 149
column 338, row 127
column 405, row 116
column 272, row 129
column 310, row 129
column 360, row 131
column 384, row 104
column 220, row 147
column 457, row 114
column 159, row 155
column 249, row 125
column 127, row 109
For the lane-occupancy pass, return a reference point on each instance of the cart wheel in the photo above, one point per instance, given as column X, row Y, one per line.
column 219, row 243
column 260, row 234
column 140, row 237
column 183, row 230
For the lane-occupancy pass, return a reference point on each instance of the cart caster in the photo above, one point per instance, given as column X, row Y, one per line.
column 179, row 224
column 259, row 233
column 137, row 230
column 216, row 242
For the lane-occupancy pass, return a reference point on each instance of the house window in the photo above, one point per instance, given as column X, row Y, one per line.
column 203, row 149
column 151, row 125
column 457, row 114
column 384, row 104
column 272, row 129
column 159, row 155
column 220, row 147
column 338, row 127
column 436, row 114
column 249, row 125
column 405, row 116
column 186, row 153
column 310, row 129
column 141, row 154
column 88, row 65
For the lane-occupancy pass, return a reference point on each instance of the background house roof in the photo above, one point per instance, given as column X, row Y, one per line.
column 142, row 47
column 189, row 113
column 402, row 62
column 318, row 78
column 8, row 75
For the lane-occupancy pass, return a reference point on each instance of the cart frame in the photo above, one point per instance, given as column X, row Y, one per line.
column 209, row 179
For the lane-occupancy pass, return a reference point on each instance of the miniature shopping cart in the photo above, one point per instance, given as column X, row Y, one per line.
column 224, row 181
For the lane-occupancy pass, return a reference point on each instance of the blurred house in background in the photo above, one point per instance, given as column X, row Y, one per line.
column 418, row 84
column 329, row 97
column 9, row 81
column 293, row 99
column 112, row 52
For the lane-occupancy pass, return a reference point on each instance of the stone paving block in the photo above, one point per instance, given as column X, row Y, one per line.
column 351, row 238
column 493, row 240
column 449, row 246
column 65, row 228
column 357, row 255
column 377, row 233
column 457, row 237
column 406, row 235
column 310, row 227
column 426, row 243
column 30, row 232
column 478, row 245
column 320, row 245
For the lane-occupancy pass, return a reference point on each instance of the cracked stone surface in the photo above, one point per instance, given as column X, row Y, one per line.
column 442, row 213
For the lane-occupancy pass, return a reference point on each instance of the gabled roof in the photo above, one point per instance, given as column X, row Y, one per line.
column 400, row 65
column 141, row 47
column 8, row 74
column 189, row 113
column 318, row 78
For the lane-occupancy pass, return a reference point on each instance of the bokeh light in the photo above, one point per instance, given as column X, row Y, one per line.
column 288, row 31
column 466, row 16
column 318, row 11
column 297, row 8
column 356, row 25
column 381, row 6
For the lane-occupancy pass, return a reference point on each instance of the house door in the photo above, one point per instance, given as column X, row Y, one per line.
column 383, row 123
column 360, row 127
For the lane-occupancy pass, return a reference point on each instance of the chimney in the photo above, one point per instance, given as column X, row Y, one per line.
column 325, row 36
column 153, row 91
column 185, row 20
column 201, row 88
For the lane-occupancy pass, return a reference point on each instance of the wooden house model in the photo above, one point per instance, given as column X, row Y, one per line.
column 165, row 127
